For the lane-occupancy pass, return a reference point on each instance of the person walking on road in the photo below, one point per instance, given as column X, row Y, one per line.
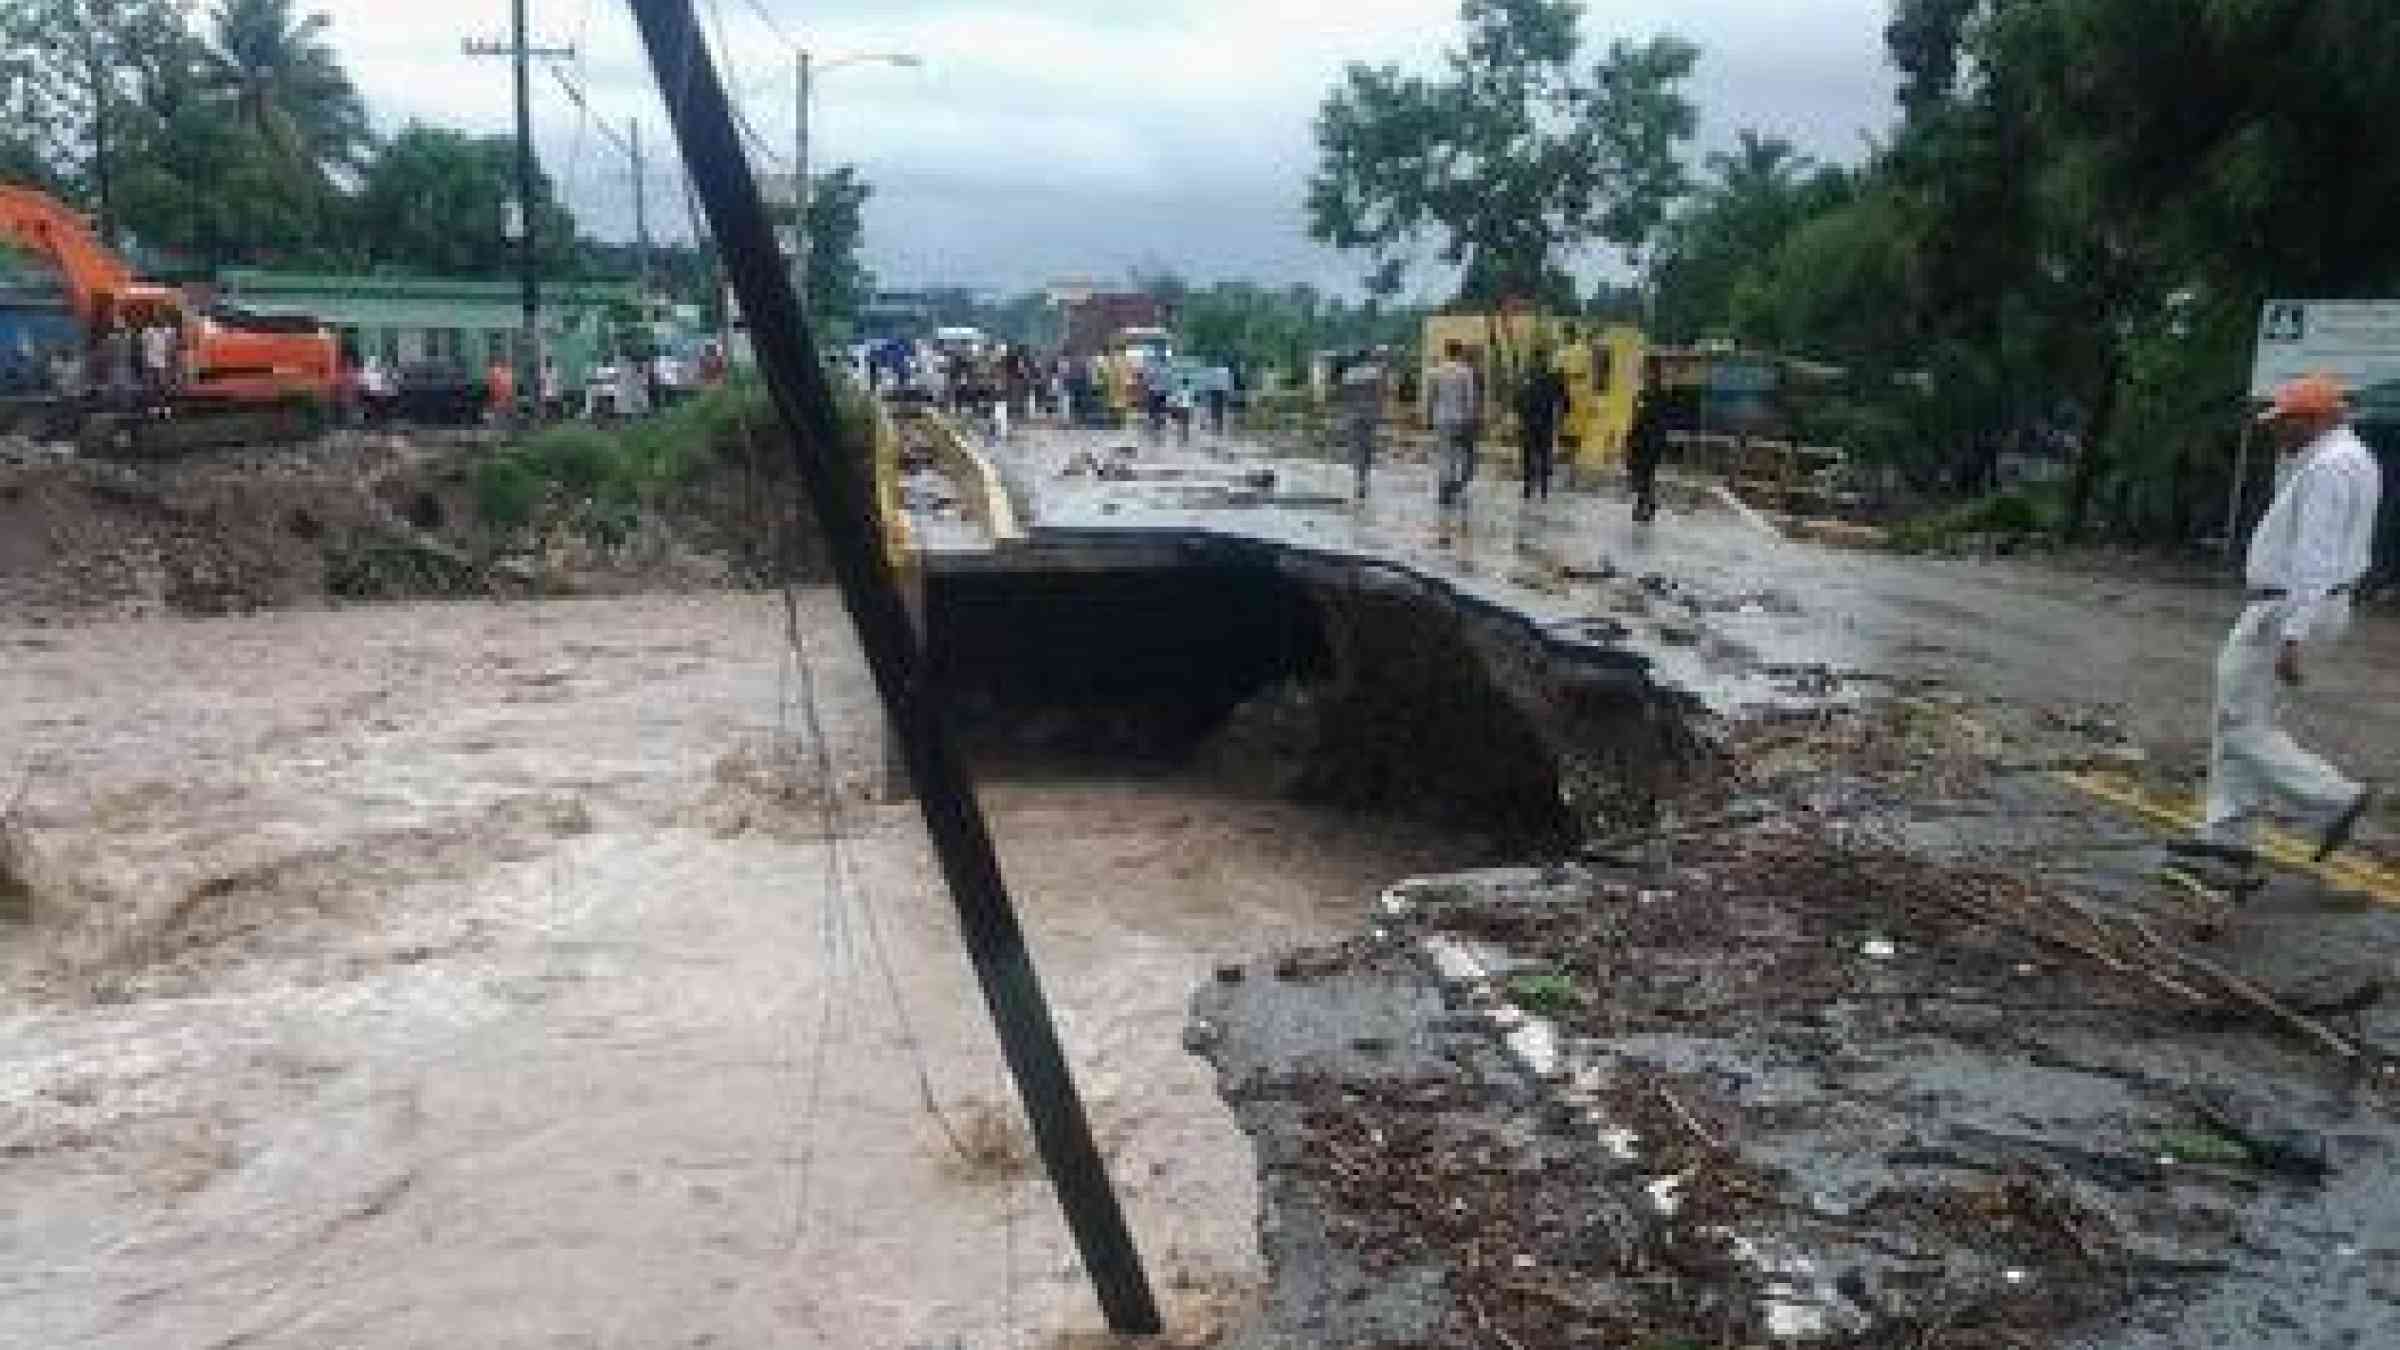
column 2306, row 557
column 1540, row 404
column 1361, row 402
column 1454, row 405
column 1645, row 446
column 1151, row 380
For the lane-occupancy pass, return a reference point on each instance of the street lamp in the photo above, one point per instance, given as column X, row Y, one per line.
column 809, row 70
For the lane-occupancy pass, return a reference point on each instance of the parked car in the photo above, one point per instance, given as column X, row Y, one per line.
column 439, row 394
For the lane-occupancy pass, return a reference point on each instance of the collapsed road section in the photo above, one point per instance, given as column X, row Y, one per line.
column 1347, row 674
column 1838, row 1017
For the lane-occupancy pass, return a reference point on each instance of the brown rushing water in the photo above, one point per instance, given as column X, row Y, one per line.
column 462, row 974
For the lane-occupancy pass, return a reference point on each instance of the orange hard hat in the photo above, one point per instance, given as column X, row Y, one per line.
column 2307, row 396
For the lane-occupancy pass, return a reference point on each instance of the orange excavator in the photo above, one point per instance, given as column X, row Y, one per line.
column 234, row 375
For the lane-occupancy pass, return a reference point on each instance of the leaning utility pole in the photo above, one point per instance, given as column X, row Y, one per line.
column 520, row 49
column 835, row 488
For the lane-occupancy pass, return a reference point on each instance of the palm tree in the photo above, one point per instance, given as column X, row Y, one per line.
column 1760, row 165
column 285, row 83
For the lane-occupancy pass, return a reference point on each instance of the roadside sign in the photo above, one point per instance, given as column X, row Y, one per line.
column 2355, row 341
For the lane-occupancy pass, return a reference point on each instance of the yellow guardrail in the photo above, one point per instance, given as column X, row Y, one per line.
column 987, row 500
column 983, row 496
column 898, row 548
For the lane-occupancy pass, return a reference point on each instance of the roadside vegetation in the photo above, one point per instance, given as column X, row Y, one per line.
column 719, row 460
column 2061, row 245
column 611, row 471
column 2002, row 522
column 2057, row 250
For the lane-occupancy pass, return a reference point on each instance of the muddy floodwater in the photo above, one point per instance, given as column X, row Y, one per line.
column 482, row 975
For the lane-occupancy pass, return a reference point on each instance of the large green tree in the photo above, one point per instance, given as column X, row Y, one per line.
column 285, row 83
column 2068, row 234
column 2214, row 154
column 1263, row 328
column 437, row 198
column 1757, row 194
column 195, row 189
column 837, row 281
column 1512, row 162
column 76, row 69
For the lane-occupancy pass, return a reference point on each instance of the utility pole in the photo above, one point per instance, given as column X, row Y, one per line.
column 835, row 489
column 520, row 49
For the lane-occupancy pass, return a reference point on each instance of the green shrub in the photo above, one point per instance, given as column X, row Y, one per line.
column 580, row 459
column 506, row 491
column 2006, row 513
column 2012, row 515
column 1545, row 992
column 606, row 474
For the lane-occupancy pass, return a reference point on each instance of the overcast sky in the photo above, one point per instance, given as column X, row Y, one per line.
column 1052, row 138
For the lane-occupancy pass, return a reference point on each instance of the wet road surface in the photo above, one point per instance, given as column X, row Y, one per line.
column 2051, row 637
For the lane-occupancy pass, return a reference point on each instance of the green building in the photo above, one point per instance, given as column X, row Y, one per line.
column 410, row 320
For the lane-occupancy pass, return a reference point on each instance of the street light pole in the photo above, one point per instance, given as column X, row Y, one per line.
column 641, row 215
column 800, row 184
column 804, row 89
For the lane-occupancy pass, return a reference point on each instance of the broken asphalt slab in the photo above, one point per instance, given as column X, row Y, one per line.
column 1565, row 1107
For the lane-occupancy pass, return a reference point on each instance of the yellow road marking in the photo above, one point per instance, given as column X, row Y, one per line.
column 2179, row 814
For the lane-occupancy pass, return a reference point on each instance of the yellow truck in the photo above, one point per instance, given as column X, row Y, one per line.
column 1602, row 363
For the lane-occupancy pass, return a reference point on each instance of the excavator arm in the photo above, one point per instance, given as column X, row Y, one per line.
column 225, row 363
column 96, row 278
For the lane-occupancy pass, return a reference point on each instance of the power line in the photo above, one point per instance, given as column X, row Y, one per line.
column 582, row 50
column 759, row 145
column 575, row 95
column 630, row 145
column 759, row 8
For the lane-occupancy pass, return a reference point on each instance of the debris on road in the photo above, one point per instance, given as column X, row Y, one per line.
column 1877, row 1076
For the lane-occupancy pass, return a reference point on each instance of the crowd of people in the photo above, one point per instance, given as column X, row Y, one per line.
column 127, row 361
column 373, row 389
column 1363, row 383
column 1000, row 383
column 996, row 385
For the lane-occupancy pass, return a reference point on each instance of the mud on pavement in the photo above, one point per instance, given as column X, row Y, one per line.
column 1887, row 1043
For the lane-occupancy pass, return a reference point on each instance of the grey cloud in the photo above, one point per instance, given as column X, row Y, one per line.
column 1087, row 136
